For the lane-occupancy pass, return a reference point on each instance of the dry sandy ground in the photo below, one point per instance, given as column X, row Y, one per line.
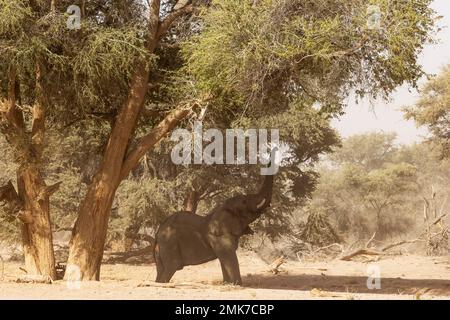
column 402, row 277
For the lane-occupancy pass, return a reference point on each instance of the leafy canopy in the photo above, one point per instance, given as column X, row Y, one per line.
column 433, row 109
column 264, row 53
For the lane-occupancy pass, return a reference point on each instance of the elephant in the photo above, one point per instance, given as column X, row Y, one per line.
column 185, row 238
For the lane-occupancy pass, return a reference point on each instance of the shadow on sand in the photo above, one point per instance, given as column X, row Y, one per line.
column 350, row 284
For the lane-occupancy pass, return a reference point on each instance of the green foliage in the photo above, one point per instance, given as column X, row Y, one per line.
column 142, row 204
column 105, row 63
column 14, row 16
column 370, row 190
column 87, row 71
column 266, row 52
column 433, row 109
column 373, row 150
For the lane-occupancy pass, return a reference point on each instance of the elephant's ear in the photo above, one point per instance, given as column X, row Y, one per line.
column 223, row 223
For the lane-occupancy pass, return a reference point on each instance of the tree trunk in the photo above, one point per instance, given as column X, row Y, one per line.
column 131, row 233
column 191, row 201
column 37, row 236
column 89, row 233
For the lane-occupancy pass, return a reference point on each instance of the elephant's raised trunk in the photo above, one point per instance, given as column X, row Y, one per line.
column 265, row 193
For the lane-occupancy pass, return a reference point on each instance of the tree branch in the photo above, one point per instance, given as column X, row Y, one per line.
column 48, row 191
column 9, row 110
column 39, row 109
column 360, row 252
column 419, row 238
column 53, row 6
column 153, row 137
column 181, row 8
column 8, row 194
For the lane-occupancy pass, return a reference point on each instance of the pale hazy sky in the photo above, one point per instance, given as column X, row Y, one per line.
column 387, row 117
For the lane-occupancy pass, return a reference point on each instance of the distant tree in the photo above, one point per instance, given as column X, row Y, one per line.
column 54, row 76
column 368, row 192
column 370, row 151
column 433, row 110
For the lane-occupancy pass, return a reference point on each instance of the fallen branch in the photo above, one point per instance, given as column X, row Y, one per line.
column 370, row 240
column 187, row 285
column 393, row 245
column 276, row 264
column 35, row 279
column 367, row 252
column 436, row 221
column 329, row 246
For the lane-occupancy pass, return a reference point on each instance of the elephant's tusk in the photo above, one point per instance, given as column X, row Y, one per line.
column 259, row 206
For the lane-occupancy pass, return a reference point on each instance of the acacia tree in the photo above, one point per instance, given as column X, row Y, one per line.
column 39, row 48
column 259, row 59
column 26, row 133
column 89, row 233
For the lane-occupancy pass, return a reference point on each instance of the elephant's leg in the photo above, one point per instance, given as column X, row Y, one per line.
column 169, row 260
column 167, row 274
column 230, row 269
column 226, row 275
column 225, row 250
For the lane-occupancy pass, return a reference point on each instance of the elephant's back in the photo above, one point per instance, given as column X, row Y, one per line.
column 183, row 220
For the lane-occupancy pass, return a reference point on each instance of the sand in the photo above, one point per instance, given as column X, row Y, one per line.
column 402, row 277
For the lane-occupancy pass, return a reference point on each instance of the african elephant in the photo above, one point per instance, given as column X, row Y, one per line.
column 188, row 239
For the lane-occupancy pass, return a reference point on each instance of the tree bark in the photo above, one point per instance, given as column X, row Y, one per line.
column 53, row 5
column 31, row 204
column 191, row 201
column 37, row 237
column 89, row 233
column 131, row 233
